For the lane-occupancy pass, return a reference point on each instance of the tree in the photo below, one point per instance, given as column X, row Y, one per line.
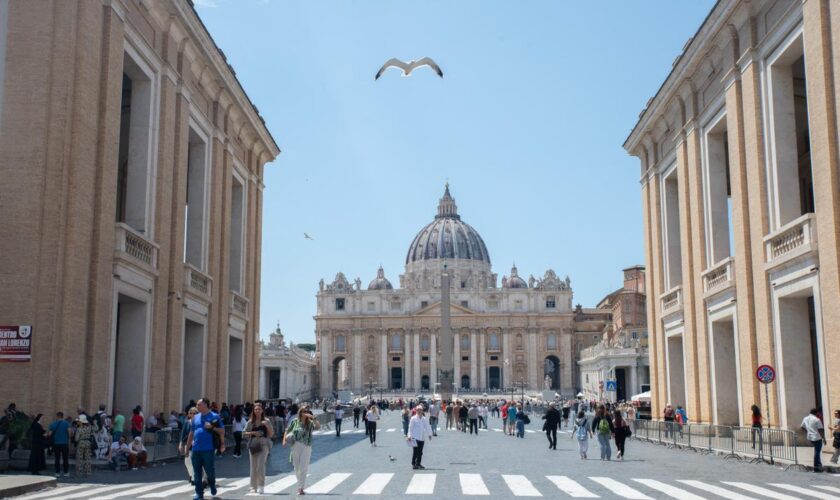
column 307, row 347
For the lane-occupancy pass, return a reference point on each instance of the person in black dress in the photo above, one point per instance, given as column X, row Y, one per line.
column 37, row 444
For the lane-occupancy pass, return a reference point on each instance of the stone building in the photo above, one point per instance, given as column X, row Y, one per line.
column 515, row 335
column 286, row 371
column 132, row 165
column 622, row 353
column 741, row 201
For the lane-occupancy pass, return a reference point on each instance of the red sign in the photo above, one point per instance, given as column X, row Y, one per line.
column 765, row 374
column 16, row 343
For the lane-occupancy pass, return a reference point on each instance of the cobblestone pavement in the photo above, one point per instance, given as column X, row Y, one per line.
column 459, row 465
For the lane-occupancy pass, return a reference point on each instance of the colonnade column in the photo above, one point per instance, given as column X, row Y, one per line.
column 532, row 341
column 326, row 366
column 357, row 358
column 416, row 337
column 432, row 361
column 473, row 360
column 456, row 360
column 482, row 359
column 506, row 356
column 406, row 358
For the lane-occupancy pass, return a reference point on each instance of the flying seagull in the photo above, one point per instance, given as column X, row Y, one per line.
column 307, row 237
column 408, row 67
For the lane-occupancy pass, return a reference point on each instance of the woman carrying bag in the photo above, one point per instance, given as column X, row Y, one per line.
column 299, row 437
column 259, row 431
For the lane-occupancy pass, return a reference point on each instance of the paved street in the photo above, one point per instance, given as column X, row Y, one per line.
column 490, row 464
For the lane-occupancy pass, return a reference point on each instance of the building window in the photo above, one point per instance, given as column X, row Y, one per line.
column 304, row 380
column 492, row 304
column 465, row 342
column 424, row 343
column 424, row 358
column 518, row 305
column 494, row 358
column 236, row 249
column 494, row 341
column 395, row 358
column 550, row 302
column 424, row 304
column 465, row 303
column 396, row 343
column 371, row 343
column 594, row 337
column 339, row 304
column 463, row 284
column 671, row 239
column 634, row 335
column 371, row 306
column 395, row 305
column 465, row 358
column 339, row 343
column 552, row 341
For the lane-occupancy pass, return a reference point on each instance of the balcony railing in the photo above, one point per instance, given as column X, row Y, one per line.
column 671, row 301
column 196, row 281
column 238, row 304
column 719, row 277
column 135, row 245
column 792, row 239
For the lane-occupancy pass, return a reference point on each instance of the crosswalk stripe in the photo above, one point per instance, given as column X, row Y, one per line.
column 806, row 492
column 520, row 486
column 136, row 491
column 828, row 488
column 717, row 490
column 174, row 491
column 671, row 491
column 327, row 484
column 620, row 489
column 530, row 431
column 390, row 430
column 374, row 484
column 246, row 481
column 497, row 430
column 759, row 490
column 53, row 491
column 421, row 484
column 93, row 492
column 472, row 484
column 281, row 484
column 571, row 487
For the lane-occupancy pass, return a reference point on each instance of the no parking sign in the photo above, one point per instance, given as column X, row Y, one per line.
column 765, row 374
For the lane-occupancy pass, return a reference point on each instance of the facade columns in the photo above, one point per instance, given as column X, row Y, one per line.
column 326, row 364
column 473, row 360
column 432, row 360
column 356, row 340
column 383, row 359
column 482, row 358
column 506, row 356
column 532, row 341
column 416, row 336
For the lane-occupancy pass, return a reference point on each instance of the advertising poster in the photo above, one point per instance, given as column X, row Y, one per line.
column 16, row 343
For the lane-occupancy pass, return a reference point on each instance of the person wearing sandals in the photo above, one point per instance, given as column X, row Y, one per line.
column 259, row 431
column 299, row 437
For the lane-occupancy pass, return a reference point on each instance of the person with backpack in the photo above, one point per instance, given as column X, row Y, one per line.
column 521, row 420
column 622, row 432
column 582, row 433
column 602, row 427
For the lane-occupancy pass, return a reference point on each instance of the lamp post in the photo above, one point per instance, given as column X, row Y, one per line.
column 370, row 388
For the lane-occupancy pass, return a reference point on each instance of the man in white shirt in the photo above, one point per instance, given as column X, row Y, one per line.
column 339, row 415
column 118, row 454
column 814, row 433
column 418, row 430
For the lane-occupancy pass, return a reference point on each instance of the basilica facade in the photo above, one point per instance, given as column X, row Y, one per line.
column 521, row 334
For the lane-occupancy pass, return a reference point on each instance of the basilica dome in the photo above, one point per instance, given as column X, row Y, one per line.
column 380, row 282
column 447, row 237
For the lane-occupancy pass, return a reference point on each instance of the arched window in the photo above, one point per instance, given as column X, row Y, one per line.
column 465, row 381
column 424, row 343
column 494, row 340
column 519, row 341
column 339, row 343
column 371, row 343
column 465, row 342
column 552, row 341
column 396, row 342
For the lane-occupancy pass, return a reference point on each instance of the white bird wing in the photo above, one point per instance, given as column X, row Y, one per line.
column 427, row 61
column 306, row 236
column 391, row 62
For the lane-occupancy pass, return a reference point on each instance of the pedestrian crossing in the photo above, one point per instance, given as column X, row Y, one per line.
column 390, row 484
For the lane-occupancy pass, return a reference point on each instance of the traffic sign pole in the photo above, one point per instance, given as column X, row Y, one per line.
column 766, row 375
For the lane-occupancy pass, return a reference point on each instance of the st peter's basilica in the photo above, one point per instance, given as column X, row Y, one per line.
column 524, row 333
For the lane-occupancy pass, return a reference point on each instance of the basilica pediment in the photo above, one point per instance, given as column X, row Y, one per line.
column 434, row 310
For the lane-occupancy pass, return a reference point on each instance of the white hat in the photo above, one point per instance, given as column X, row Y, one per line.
column 82, row 418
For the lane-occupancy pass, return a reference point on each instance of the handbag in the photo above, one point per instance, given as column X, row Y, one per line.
column 289, row 438
column 255, row 444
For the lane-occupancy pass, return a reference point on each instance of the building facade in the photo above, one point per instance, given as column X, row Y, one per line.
column 132, row 165
column 741, row 200
column 286, row 371
column 523, row 333
column 622, row 354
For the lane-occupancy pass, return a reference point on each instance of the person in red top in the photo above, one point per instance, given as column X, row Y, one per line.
column 136, row 423
column 504, row 417
column 756, row 425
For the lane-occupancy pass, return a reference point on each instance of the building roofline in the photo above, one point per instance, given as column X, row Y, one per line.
column 229, row 74
column 690, row 51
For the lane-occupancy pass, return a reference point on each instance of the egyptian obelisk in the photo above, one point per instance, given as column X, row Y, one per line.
column 445, row 367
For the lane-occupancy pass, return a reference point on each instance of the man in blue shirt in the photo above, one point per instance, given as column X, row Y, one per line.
column 200, row 443
column 61, row 442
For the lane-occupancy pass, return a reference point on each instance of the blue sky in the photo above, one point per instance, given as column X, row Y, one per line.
column 527, row 125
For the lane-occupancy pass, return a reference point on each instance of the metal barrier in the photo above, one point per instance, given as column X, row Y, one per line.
column 759, row 445
column 165, row 445
column 325, row 419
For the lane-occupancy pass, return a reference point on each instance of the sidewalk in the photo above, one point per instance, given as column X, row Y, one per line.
column 14, row 485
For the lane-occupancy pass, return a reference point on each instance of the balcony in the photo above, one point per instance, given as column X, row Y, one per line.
column 671, row 301
column 197, row 282
column 795, row 239
column 135, row 246
column 719, row 278
column 238, row 304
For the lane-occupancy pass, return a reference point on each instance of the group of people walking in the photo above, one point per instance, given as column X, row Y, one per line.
column 605, row 427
